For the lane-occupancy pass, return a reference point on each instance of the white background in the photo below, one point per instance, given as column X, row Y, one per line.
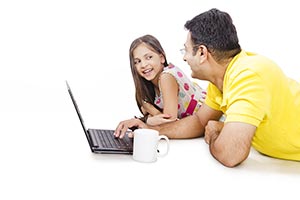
column 43, row 152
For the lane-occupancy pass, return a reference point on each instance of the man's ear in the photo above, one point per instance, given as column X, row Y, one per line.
column 202, row 50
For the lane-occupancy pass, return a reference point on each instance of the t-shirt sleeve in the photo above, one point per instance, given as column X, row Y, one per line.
column 246, row 99
column 214, row 97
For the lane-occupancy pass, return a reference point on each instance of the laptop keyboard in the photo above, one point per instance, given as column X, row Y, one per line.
column 107, row 139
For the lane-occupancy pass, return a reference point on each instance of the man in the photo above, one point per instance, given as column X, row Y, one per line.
column 261, row 104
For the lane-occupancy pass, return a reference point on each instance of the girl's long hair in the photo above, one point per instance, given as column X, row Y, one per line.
column 144, row 89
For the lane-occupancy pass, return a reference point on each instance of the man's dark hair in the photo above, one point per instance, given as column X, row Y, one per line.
column 215, row 30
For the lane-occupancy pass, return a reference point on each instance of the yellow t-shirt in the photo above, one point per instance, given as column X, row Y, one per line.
column 257, row 92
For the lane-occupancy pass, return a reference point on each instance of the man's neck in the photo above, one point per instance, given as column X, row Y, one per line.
column 219, row 75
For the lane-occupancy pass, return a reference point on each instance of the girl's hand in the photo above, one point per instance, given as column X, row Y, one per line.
column 159, row 119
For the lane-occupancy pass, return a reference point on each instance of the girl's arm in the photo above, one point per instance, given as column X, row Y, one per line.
column 150, row 109
column 169, row 91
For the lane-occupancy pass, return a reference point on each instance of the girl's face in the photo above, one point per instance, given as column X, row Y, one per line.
column 148, row 63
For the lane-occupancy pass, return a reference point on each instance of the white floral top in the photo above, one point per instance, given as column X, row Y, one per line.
column 190, row 94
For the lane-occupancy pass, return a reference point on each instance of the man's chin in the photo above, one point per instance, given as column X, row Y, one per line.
column 193, row 75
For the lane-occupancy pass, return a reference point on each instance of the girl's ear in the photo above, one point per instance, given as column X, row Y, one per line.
column 162, row 59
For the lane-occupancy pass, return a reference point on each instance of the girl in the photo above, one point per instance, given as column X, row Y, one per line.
column 161, row 87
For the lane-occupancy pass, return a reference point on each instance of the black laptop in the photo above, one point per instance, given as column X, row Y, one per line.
column 103, row 140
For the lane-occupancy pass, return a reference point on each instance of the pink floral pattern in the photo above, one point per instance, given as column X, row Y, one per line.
column 190, row 95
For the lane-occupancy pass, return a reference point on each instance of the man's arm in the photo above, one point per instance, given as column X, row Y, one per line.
column 191, row 126
column 188, row 127
column 230, row 145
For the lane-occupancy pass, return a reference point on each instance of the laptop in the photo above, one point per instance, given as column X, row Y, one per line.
column 103, row 140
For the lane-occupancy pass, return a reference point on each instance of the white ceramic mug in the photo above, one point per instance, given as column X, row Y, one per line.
column 145, row 145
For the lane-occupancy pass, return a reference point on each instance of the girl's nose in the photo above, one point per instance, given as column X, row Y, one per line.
column 144, row 63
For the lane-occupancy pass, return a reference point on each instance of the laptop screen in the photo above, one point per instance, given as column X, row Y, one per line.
column 78, row 113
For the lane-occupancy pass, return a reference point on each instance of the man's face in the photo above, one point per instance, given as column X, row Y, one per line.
column 190, row 57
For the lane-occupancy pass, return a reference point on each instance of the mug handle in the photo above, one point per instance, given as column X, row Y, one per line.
column 163, row 137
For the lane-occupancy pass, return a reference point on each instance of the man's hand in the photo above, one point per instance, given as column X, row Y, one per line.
column 123, row 126
column 212, row 130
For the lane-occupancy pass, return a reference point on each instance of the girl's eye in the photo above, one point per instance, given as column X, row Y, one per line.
column 137, row 62
column 149, row 57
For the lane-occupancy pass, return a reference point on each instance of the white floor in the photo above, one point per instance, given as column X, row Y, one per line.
column 43, row 152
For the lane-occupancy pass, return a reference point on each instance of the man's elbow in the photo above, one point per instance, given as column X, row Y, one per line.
column 231, row 163
column 227, row 156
